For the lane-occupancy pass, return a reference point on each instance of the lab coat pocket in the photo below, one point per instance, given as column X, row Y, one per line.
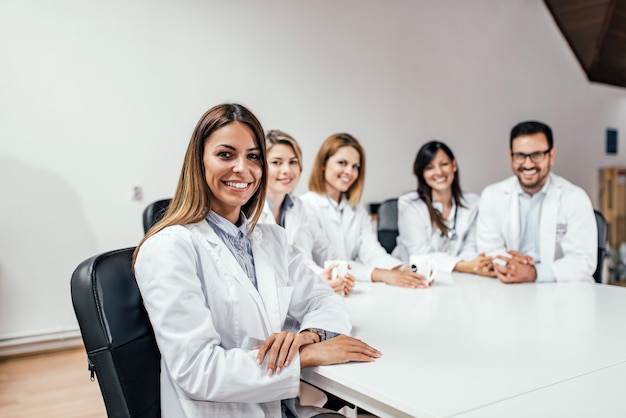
column 561, row 229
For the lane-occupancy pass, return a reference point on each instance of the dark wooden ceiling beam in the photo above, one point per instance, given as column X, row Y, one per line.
column 596, row 32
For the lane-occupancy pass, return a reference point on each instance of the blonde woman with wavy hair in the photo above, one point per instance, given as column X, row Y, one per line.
column 218, row 286
column 336, row 185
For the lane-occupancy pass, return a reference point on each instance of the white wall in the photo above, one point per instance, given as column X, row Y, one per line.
column 98, row 96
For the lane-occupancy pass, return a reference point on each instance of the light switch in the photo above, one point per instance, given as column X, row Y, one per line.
column 137, row 193
column 611, row 141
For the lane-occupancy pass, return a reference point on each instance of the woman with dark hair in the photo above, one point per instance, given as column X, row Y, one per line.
column 218, row 287
column 439, row 219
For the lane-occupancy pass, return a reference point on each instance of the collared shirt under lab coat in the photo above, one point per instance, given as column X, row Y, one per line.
column 417, row 235
column 568, row 233
column 349, row 230
column 207, row 316
column 303, row 232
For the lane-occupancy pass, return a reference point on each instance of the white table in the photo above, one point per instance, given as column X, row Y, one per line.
column 471, row 347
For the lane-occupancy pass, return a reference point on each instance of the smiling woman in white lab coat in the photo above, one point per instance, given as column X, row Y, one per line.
column 284, row 159
column 217, row 287
column 439, row 219
column 335, row 185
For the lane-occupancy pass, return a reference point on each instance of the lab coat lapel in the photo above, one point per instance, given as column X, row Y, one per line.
column 329, row 209
column 513, row 215
column 547, row 224
column 266, row 282
column 462, row 226
column 229, row 266
column 348, row 212
column 346, row 218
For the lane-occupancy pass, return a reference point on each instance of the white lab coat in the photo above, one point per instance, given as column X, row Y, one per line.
column 304, row 234
column 569, row 238
column 417, row 235
column 350, row 233
column 207, row 317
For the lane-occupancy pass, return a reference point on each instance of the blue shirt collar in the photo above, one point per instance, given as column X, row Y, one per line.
column 224, row 225
column 287, row 203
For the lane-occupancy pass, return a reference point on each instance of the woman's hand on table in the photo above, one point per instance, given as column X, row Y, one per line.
column 281, row 347
column 400, row 276
column 341, row 349
column 482, row 265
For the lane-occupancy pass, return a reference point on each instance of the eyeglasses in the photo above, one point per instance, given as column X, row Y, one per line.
column 535, row 157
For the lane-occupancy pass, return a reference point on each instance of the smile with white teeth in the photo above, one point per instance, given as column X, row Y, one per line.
column 529, row 171
column 344, row 179
column 236, row 185
column 440, row 179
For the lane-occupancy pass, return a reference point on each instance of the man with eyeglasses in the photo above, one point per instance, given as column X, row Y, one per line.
column 539, row 226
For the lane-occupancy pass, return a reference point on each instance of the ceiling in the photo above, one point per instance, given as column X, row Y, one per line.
column 596, row 32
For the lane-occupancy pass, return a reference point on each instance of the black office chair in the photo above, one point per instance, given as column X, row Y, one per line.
column 387, row 224
column 118, row 336
column 154, row 212
column 602, row 239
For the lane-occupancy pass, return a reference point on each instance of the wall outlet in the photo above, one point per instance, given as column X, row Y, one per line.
column 137, row 193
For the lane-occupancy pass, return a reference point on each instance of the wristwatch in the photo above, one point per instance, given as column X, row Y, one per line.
column 320, row 332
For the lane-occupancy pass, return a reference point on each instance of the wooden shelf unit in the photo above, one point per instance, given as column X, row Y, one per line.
column 613, row 202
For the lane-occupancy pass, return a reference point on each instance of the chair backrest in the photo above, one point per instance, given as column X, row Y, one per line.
column 387, row 224
column 154, row 212
column 602, row 239
column 117, row 334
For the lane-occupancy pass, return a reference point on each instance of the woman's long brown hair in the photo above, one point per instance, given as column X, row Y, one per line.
column 192, row 200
